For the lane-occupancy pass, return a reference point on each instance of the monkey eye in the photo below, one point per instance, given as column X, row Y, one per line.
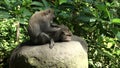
column 62, row 33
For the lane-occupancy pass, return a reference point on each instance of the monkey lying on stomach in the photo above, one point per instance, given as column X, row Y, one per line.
column 40, row 26
column 65, row 35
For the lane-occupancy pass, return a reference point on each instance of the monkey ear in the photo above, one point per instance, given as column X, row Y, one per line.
column 44, row 13
column 62, row 33
column 48, row 11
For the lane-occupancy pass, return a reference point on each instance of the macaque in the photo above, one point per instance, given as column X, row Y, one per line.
column 39, row 27
column 65, row 35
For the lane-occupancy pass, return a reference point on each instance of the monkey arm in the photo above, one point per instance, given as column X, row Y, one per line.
column 52, row 30
column 54, row 25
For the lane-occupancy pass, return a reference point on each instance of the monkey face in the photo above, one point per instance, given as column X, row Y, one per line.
column 50, row 17
column 65, row 36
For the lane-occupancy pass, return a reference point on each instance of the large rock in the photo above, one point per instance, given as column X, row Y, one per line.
column 62, row 55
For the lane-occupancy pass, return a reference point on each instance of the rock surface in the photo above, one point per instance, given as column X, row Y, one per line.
column 62, row 55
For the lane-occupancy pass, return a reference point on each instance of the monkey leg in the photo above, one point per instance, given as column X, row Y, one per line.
column 51, row 43
column 46, row 38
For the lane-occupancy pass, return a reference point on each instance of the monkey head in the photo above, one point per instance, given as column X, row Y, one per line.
column 66, row 34
column 47, row 15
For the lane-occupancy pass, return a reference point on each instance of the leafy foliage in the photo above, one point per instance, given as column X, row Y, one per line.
column 98, row 21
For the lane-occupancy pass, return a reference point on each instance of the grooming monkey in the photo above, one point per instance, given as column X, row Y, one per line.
column 39, row 27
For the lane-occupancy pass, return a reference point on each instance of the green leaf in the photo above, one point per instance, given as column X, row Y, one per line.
column 7, row 2
column 37, row 8
column 36, row 3
column 118, row 35
column 4, row 14
column 86, row 18
column 89, row 1
column 64, row 15
column 92, row 19
column 45, row 3
column 25, row 12
column 26, row 2
column 101, row 6
column 115, row 20
column 22, row 21
column 67, row 5
column 62, row 1
column 118, row 52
